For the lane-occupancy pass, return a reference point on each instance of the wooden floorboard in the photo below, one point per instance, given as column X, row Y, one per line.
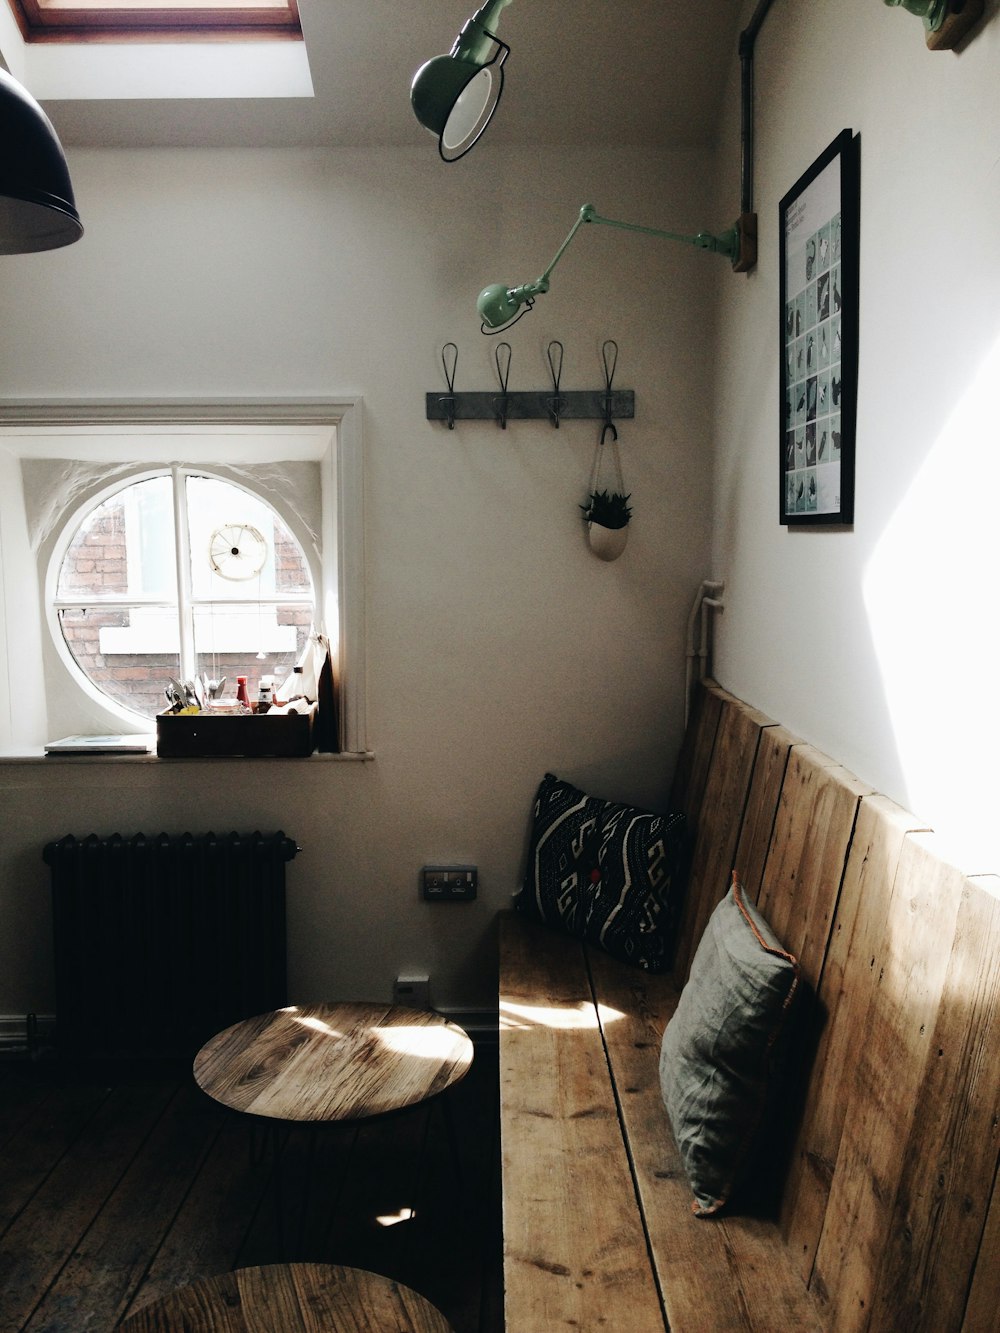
column 120, row 1184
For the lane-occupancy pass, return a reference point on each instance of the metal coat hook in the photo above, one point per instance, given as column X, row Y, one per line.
column 555, row 369
column 448, row 400
column 503, row 375
column 609, row 375
column 502, row 405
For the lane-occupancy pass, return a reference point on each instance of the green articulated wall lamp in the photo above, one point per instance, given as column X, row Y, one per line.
column 455, row 95
column 501, row 306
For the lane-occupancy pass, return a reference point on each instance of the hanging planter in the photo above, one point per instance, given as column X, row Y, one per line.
column 607, row 515
column 607, row 512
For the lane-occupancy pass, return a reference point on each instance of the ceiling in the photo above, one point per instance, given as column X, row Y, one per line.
column 580, row 71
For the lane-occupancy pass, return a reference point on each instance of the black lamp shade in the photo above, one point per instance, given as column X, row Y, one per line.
column 37, row 209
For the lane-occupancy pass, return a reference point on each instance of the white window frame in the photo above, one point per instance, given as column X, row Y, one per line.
column 58, row 430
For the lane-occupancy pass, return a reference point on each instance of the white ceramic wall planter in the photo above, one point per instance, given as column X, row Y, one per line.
column 606, row 543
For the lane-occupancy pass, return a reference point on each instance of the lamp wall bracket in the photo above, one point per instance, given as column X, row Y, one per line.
column 745, row 258
column 946, row 22
column 961, row 17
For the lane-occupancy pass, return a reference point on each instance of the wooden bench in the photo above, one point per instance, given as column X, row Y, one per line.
column 889, row 1213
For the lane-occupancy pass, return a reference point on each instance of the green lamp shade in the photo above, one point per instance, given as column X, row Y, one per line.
column 37, row 208
column 455, row 99
column 497, row 305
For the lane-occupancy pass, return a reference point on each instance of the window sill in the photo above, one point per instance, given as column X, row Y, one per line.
column 36, row 754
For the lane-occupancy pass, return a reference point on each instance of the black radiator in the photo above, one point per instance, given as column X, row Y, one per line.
column 160, row 942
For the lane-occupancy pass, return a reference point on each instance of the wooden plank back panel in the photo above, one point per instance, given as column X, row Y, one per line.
column 843, row 998
column 691, row 774
column 910, row 963
column 950, row 1160
column 808, row 853
column 727, row 784
column 984, row 1298
column 762, row 803
column 575, row 1251
column 727, row 1274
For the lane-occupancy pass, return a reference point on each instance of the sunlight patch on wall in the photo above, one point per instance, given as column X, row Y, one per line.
column 932, row 593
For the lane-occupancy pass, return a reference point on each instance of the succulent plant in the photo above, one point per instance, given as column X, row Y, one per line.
column 610, row 510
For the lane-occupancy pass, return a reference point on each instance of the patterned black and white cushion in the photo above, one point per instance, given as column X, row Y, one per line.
column 605, row 872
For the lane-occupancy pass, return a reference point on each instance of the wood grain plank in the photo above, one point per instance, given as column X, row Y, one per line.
column 108, row 1262
column 291, row 1298
column 333, row 1061
column 728, row 781
column 574, row 1248
column 808, row 853
column 59, row 1116
column 23, row 1098
column 691, row 773
column 207, row 1233
column 46, row 1232
column 984, row 1299
column 910, row 965
column 844, row 995
column 950, row 1160
column 762, row 804
column 728, row 1274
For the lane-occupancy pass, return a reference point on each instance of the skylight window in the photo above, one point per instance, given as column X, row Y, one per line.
column 122, row 20
column 143, row 50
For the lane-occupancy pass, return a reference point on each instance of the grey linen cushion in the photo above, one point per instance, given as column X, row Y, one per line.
column 717, row 1051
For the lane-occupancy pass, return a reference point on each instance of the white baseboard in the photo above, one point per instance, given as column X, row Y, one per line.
column 480, row 1024
column 15, row 1028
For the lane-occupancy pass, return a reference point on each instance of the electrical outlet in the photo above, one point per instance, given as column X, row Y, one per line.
column 449, row 884
column 412, row 991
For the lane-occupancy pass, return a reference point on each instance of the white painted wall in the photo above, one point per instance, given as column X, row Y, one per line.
column 499, row 647
column 878, row 644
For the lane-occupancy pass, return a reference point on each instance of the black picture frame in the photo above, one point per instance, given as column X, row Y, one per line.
column 819, row 245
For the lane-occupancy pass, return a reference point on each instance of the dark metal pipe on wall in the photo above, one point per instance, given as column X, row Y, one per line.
column 748, row 38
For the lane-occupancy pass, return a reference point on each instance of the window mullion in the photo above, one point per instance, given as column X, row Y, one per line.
column 182, row 544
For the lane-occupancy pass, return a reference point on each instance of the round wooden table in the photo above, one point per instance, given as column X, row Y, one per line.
column 290, row 1298
column 333, row 1062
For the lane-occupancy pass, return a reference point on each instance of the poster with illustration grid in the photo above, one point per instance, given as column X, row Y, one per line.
column 818, row 226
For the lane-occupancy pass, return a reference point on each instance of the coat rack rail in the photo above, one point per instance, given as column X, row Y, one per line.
column 568, row 405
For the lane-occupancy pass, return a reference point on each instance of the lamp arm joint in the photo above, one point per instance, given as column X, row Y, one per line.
column 474, row 41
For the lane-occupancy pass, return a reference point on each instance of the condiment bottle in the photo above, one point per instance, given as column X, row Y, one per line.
column 294, row 686
column 242, row 694
column 265, row 694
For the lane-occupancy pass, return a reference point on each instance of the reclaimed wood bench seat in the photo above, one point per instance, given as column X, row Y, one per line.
column 888, row 1214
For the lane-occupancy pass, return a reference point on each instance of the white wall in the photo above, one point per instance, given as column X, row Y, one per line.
column 498, row 646
column 22, row 710
column 880, row 643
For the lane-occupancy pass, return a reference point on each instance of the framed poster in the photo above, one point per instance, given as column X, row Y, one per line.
column 818, row 233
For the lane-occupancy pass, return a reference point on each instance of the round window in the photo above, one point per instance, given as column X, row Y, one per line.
column 181, row 575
